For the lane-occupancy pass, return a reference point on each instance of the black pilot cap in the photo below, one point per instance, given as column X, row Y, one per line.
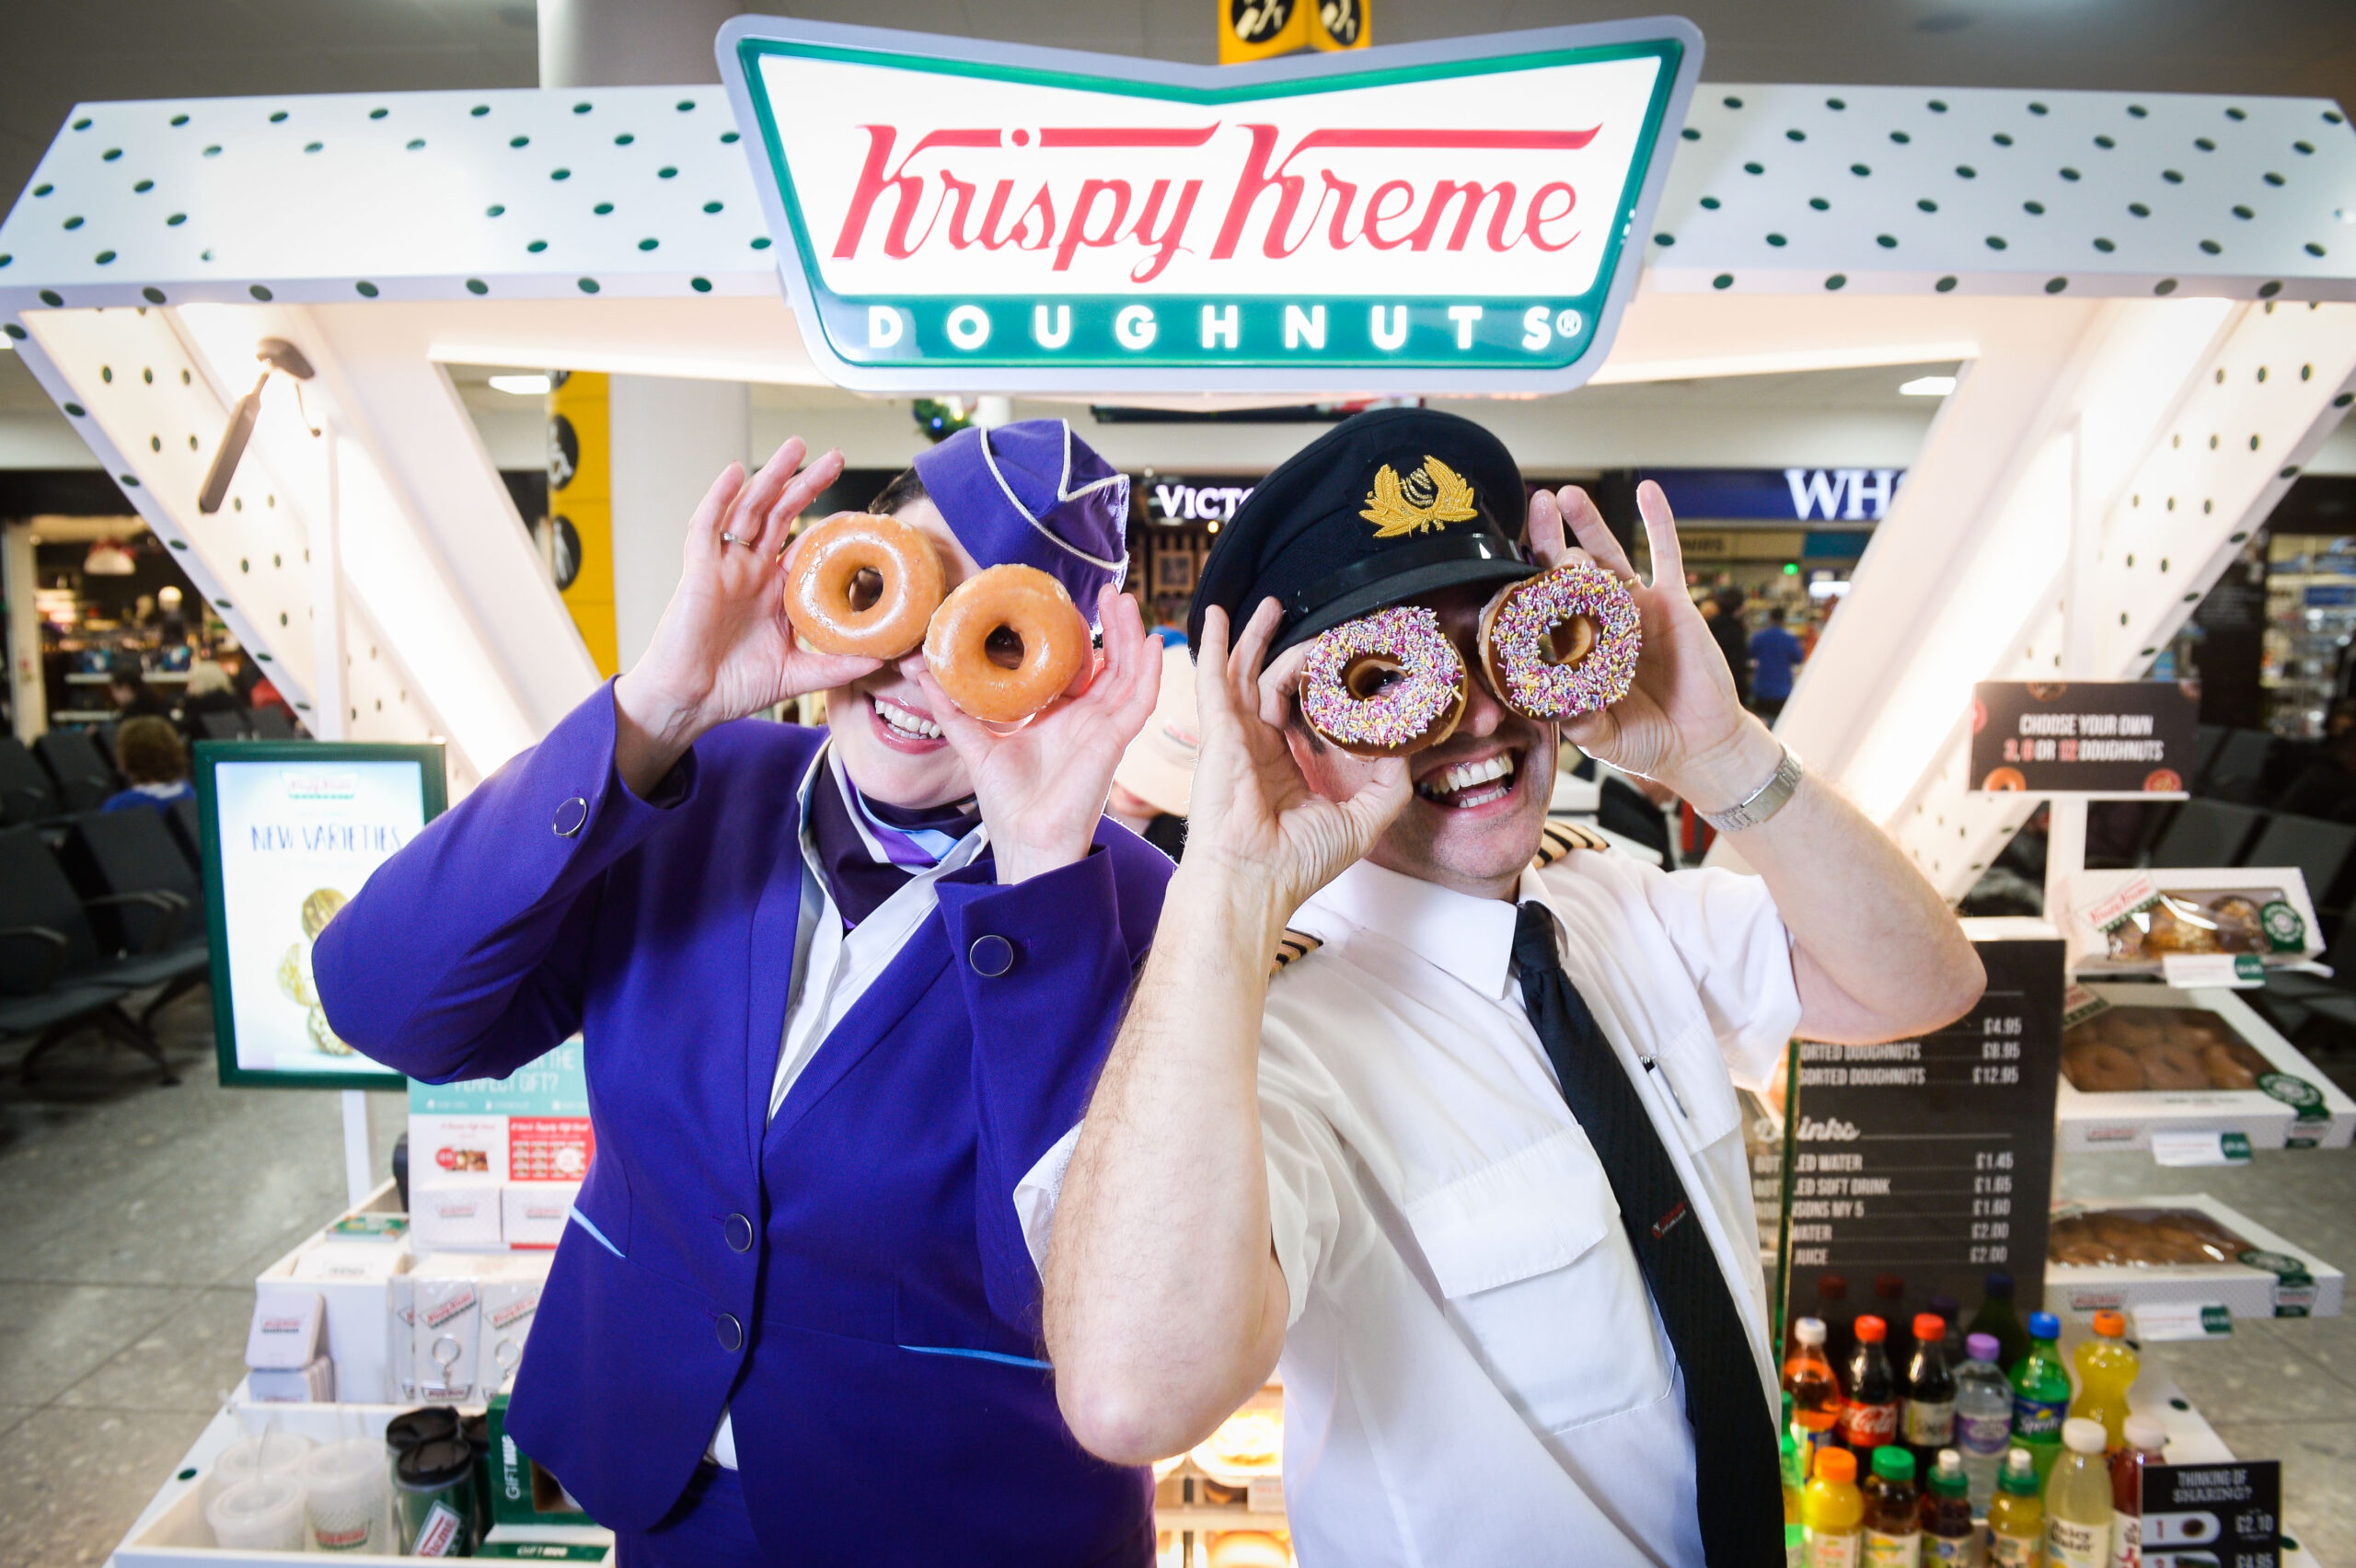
column 1386, row 506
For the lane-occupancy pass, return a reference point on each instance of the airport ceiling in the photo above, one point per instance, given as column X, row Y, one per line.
column 57, row 52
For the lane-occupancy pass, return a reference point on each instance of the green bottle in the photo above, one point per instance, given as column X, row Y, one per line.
column 1795, row 1463
column 2041, row 1394
column 1998, row 1318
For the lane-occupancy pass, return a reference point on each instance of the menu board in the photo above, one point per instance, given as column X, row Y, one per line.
column 290, row 832
column 1927, row 1161
column 2084, row 737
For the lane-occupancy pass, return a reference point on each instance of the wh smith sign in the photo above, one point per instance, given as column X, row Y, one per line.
column 1784, row 495
column 1456, row 216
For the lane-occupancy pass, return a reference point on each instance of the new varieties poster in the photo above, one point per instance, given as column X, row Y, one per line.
column 297, row 840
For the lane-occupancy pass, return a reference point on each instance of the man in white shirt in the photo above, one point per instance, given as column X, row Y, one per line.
column 1470, row 1161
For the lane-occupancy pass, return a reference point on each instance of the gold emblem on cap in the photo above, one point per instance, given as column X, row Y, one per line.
column 1433, row 496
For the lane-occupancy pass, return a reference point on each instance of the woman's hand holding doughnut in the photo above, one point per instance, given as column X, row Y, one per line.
column 1042, row 788
column 723, row 648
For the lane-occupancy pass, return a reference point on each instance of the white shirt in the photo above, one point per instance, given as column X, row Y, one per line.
column 833, row 968
column 1473, row 1371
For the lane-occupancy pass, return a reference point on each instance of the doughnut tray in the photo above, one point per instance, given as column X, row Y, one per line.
column 2294, row 1104
column 2269, row 1278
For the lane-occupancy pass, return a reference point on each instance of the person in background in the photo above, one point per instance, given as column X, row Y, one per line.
column 209, row 691
column 1773, row 653
column 1151, row 786
column 127, row 691
column 1726, row 629
column 148, row 753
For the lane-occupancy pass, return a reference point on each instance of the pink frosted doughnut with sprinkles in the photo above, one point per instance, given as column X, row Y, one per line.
column 1562, row 643
column 1384, row 685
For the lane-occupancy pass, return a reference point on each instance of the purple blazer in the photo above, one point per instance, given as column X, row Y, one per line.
column 849, row 1278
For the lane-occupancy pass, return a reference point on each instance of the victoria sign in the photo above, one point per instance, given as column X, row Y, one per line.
column 1456, row 216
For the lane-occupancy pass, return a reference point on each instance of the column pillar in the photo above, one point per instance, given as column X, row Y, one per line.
column 668, row 438
column 28, row 690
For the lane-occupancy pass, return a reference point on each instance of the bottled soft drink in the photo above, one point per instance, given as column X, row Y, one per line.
column 2106, row 1365
column 1833, row 1511
column 1869, row 1414
column 1793, row 1455
column 2016, row 1515
column 2077, row 1500
column 1930, row 1392
column 1833, row 1312
column 1893, row 1512
column 1984, row 1418
column 1948, row 1534
column 1997, row 1315
column 2041, row 1394
column 1811, row 1384
column 2146, row 1438
column 1949, row 1312
column 1890, row 1305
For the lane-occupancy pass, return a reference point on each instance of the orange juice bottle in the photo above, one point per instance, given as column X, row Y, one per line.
column 1833, row 1511
column 2106, row 1365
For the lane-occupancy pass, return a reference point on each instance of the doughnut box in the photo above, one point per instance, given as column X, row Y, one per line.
column 2124, row 1253
column 2138, row 1059
column 2127, row 923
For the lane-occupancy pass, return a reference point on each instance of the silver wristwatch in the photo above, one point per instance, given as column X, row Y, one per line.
column 1761, row 802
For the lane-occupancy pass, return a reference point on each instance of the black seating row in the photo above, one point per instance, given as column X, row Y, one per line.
column 62, row 772
column 71, row 956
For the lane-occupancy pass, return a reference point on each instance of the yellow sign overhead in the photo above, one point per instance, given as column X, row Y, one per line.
column 1258, row 30
column 1339, row 24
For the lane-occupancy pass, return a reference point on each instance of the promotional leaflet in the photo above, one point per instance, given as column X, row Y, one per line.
column 496, row 1161
column 2204, row 1515
column 1927, row 1161
column 291, row 833
column 2084, row 737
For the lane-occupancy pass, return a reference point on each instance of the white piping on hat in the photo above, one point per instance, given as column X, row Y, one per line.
column 1064, row 492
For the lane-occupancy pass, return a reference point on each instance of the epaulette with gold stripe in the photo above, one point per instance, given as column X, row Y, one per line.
column 1559, row 839
column 1290, row 946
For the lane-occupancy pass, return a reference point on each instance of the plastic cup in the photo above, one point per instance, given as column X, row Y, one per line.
column 262, row 1513
column 272, row 1454
column 344, row 1504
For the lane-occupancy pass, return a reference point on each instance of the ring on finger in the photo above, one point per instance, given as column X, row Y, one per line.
column 728, row 538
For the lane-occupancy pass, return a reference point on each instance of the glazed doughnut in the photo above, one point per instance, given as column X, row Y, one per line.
column 863, row 586
column 2100, row 1068
column 2134, row 1028
column 2224, row 1069
column 1562, row 643
column 1006, row 642
column 2171, row 1066
column 1384, row 685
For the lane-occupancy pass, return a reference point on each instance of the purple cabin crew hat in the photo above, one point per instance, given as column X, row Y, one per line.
column 1035, row 494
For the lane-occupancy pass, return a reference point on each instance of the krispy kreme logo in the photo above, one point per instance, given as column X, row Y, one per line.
column 940, row 201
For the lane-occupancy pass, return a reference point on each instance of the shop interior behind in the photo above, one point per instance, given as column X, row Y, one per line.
column 112, row 604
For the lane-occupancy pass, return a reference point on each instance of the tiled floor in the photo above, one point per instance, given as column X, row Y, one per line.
column 133, row 1218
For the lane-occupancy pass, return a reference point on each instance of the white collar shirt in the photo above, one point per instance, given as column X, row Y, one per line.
column 833, row 968
column 1473, row 1371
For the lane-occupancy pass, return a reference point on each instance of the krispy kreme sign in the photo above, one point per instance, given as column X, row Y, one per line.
column 1434, row 217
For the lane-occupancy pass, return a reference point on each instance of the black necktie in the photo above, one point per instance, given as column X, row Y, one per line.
column 1737, row 1471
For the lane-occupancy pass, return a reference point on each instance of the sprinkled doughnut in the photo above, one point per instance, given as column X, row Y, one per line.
column 1006, row 642
column 1384, row 685
column 863, row 586
column 1562, row 643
